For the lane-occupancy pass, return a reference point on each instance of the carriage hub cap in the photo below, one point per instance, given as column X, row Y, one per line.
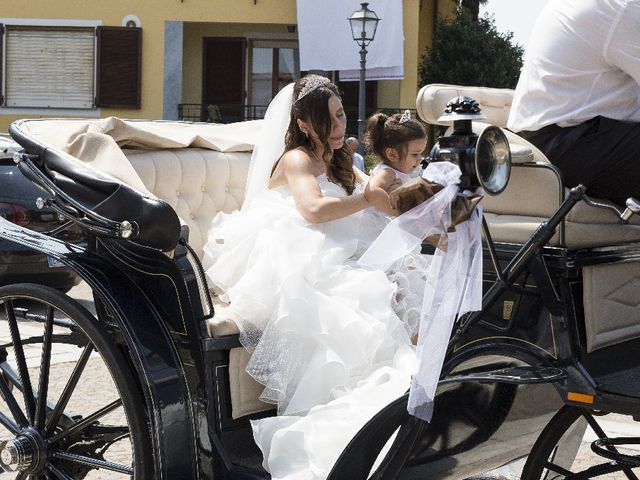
column 18, row 454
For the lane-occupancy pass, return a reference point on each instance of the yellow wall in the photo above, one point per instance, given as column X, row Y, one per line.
column 214, row 18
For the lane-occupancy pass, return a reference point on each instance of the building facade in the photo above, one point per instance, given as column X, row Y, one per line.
column 202, row 60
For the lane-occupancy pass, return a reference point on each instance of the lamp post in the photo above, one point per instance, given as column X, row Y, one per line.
column 364, row 23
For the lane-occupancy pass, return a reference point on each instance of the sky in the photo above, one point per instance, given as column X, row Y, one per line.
column 517, row 16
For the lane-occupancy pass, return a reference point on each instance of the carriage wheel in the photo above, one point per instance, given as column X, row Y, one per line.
column 72, row 409
column 552, row 456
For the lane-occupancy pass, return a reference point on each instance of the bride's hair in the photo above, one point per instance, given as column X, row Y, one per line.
column 313, row 107
column 393, row 131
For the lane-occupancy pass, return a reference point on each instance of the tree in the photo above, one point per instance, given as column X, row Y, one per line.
column 473, row 6
column 467, row 51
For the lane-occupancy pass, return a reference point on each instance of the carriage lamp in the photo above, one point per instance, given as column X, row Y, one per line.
column 485, row 159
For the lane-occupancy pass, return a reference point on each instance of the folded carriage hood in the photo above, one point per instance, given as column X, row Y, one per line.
column 84, row 159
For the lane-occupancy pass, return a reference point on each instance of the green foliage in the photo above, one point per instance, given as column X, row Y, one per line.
column 469, row 51
column 370, row 161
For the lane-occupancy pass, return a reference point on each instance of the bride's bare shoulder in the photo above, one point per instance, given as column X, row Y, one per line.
column 296, row 160
column 297, row 157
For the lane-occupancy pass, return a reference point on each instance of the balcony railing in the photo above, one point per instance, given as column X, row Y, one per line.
column 194, row 112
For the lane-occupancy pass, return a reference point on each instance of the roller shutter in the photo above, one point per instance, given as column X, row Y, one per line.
column 49, row 67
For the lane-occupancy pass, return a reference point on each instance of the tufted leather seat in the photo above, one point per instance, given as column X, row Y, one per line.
column 196, row 182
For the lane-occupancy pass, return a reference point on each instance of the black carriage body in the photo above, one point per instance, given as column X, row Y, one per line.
column 183, row 374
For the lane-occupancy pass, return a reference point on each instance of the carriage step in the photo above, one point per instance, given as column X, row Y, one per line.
column 515, row 375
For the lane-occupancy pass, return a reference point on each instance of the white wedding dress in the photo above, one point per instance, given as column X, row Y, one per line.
column 325, row 340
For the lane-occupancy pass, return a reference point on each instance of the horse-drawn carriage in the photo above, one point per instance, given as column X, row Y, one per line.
column 555, row 342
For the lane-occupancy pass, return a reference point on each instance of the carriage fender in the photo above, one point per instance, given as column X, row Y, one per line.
column 151, row 349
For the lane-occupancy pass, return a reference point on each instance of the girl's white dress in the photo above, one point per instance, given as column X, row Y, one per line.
column 325, row 335
column 408, row 273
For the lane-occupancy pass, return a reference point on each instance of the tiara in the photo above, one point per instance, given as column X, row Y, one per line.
column 406, row 116
column 313, row 82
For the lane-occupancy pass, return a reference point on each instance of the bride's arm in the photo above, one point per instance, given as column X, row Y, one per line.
column 312, row 205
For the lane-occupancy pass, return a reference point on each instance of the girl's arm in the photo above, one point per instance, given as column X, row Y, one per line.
column 380, row 185
column 312, row 205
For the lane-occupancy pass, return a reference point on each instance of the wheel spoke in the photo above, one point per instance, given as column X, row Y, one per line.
column 63, row 408
column 11, row 402
column 92, row 462
column 27, row 391
column 557, row 469
column 7, row 423
column 45, row 363
column 68, row 389
column 86, row 421
column 59, row 474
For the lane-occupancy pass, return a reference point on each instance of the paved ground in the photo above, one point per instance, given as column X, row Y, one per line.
column 96, row 389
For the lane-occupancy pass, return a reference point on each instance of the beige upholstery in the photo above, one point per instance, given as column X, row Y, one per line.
column 495, row 102
column 611, row 303
column 197, row 183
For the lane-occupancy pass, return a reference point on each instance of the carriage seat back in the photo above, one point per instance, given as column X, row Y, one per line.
column 198, row 183
column 535, row 188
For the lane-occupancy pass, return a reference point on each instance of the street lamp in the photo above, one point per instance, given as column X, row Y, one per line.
column 364, row 23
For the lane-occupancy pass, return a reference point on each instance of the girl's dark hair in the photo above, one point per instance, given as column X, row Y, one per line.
column 387, row 132
column 313, row 108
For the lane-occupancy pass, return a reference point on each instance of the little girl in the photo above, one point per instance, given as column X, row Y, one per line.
column 398, row 141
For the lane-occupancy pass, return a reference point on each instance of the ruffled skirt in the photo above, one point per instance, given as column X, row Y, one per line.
column 325, row 340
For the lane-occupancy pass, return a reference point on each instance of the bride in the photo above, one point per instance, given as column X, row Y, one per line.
column 324, row 337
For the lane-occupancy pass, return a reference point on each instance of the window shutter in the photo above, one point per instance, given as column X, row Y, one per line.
column 119, row 67
column 1, row 48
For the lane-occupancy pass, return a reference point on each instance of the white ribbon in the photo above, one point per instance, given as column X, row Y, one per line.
column 454, row 277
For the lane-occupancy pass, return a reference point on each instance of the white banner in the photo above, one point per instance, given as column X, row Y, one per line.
column 326, row 42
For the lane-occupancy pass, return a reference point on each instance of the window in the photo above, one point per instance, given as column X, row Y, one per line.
column 273, row 65
column 70, row 67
